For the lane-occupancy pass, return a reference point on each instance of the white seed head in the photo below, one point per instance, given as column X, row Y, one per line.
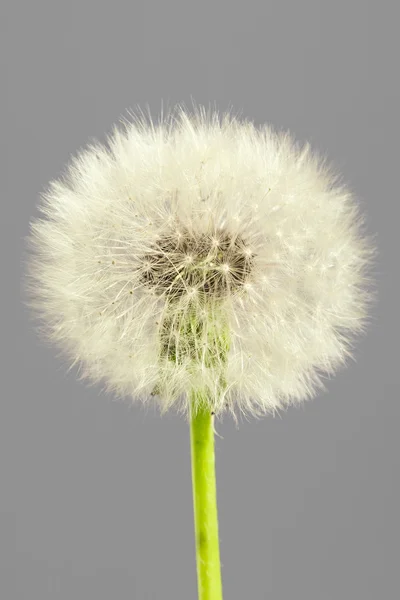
column 200, row 252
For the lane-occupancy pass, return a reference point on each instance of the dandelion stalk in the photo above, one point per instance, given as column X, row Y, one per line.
column 205, row 499
column 203, row 341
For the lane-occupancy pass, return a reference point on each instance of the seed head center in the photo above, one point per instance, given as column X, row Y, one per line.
column 187, row 263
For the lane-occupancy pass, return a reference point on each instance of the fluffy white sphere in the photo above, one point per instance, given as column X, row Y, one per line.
column 200, row 253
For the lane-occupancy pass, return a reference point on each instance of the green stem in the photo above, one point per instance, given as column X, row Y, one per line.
column 205, row 500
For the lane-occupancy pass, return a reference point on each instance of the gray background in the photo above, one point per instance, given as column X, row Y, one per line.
column 95, row 497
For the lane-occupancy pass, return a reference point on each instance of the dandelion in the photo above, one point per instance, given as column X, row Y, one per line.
column 204, row 264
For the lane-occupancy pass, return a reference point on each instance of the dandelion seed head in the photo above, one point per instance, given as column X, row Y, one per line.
column 201, row 252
